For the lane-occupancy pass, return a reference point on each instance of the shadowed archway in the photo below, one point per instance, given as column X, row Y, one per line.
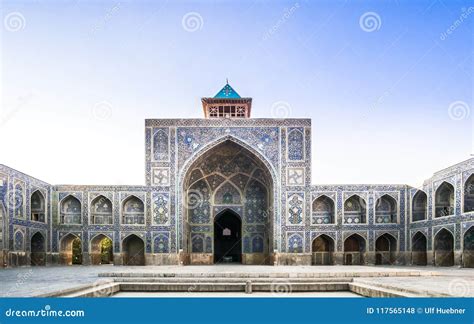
column 133, row 250
column 418, row 249
column 102, row 250
column 70, row 250
column 322, row 250
column 468, row 248
column 38, row 252
column 228, row 177
column 354, row 250
column 385, row 249
column 444, row 248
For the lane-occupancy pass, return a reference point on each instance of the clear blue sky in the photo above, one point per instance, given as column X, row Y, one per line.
column 80, row 77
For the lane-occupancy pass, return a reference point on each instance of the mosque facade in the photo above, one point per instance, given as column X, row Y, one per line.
column 228, row 188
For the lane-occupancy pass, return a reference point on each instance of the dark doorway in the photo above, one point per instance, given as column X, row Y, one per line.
column 133, row 251
column 227, row 237
column 38, row 256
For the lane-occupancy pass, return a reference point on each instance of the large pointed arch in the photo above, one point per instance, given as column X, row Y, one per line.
column 468, row 205
column 444, row 248
column 101, row 211
column 354, row 250
column 355, row 210
column 133, row 250
column 419, row 245
column 419, row 206
column 70, row 249
column 133, row 211
column 38, row 207
column 323, row 210
column 235, row 162
column 385, row 249
column 386, row 210
column 38, row 249
column 70, row 210
column 444, row 200
column 468, row 248
column 322, row 249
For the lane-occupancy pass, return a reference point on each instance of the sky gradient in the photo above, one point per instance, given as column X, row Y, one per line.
column 388, row 84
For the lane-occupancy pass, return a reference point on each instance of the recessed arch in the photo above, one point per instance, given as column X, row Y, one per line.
column 468, row 205
column 225, row 174
column 386, row 210
column 323, row 210
column 419, row 208
column 322, row 249
column 102, row 248
column 38, row 207
column 133, row 250
column 355, row 210
column 385, row 249
column 419, row 245
column 468, row 248
column 70, row 249
column 101, row 211
column 444, row 200
column 354, row 250
column 38, row 250
column 444, row 248
column 70, row 210
column 133, row 211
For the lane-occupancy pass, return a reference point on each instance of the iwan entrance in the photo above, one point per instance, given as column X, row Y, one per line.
column 227, row 238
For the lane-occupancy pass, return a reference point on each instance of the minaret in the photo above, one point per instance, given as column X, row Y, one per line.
column 226, row 104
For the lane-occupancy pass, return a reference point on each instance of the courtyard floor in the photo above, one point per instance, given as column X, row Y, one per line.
column 35, row 281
